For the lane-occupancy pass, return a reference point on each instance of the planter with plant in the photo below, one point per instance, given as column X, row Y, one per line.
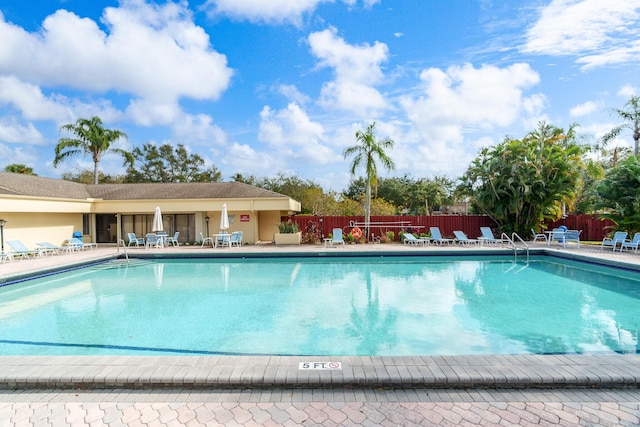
column 288, row 234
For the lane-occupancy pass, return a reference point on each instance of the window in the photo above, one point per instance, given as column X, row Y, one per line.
column 86, row 224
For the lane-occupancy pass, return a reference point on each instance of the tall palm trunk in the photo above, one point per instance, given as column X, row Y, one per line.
column 367, row 210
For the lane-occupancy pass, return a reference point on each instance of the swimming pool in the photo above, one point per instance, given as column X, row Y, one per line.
column 314, row 306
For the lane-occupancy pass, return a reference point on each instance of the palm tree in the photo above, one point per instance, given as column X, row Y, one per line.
column 92, row 138
column 365, row 152
column 631, row 116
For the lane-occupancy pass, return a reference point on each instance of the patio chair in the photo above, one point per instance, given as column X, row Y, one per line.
column 462, row 238
column 613, row 242
column 436, row 236
column 631, row 244
column 558, row 235
column 152, row 239
column 6, row 256
column 206, row 240
column 20, row 249
column 488, row 237
column 173, row 240
column 223, row 239
column 336, row 237
column 55, row 249
column 79, row 244
column 134, row 240
column 572, row 236
column 538, row 236
column 236, row 239
column 410, row 239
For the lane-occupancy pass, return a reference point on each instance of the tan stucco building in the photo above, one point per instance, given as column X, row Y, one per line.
column 41, row 209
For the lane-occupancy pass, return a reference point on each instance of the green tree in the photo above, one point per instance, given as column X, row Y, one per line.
column 168, row 164
column 619, row 195
column 19, row 168
column 91, row 138
column 630, row 114
column 520, row 183
column 365, row 153
column 86, row 177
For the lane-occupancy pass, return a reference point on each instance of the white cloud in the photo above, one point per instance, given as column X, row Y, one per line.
column 583, row 109
column 12, row 131
column 461, row 99
column 292, row 93
column 627, row 91
column 247, row 160
column 598, row 32
column 153, row 52
column 357, row 70
column 293, row 134
column 272, row 11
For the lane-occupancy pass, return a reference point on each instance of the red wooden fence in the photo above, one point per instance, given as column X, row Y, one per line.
column 592, row 228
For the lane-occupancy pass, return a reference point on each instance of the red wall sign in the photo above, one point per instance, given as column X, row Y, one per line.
column 244, row 218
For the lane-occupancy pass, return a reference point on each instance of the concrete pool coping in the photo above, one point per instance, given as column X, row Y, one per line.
column 238, row 372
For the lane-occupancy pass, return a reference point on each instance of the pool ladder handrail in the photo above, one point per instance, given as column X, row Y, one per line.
column 512, row 242
column 124, row 248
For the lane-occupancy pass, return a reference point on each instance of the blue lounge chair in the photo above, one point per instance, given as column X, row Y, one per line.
column 20, row 249
column 410, row 239
column 336, row 237
column 613, row 242
column 488, row 237
column 631, row 244
column 80, row 245
column 462, row 238
column 55, row 249
column 436, row 236
column 134, row 240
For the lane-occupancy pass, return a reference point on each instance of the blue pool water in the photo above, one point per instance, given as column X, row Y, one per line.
column 337, row 306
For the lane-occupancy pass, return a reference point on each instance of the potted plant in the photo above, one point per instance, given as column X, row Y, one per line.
column 288, row 234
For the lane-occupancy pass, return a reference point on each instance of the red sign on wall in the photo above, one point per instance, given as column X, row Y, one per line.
column 244, row 218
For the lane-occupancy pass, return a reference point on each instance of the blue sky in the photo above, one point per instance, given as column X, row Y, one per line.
column 259, row 87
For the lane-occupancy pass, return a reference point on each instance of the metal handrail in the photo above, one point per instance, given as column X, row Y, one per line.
column 124, row 248
column 511, row 240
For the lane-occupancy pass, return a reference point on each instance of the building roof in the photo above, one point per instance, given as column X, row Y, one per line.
column 29, row 185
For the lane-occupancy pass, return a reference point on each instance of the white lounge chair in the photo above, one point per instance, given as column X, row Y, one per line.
column 436, row 236
column 410, row 239
column 488, row 237
column 79, row 244
column 631, row 244
column 462, row 238
column 336, row 237
column 613, row 242
column 20, row 249
column 54, row 248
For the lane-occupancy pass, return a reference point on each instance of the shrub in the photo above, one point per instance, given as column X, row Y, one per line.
column 288, row 227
